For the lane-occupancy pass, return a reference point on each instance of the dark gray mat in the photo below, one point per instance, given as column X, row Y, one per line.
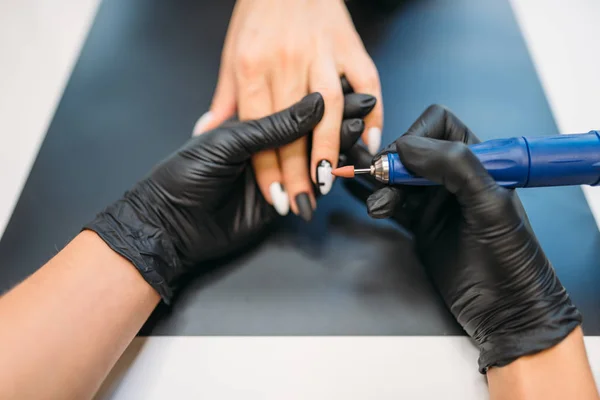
column 147, row 71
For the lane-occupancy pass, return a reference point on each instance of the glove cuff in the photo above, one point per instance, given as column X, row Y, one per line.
column 146, row 246
column 504, row 350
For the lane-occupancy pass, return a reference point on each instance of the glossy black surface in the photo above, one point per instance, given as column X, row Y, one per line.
column 147, row 71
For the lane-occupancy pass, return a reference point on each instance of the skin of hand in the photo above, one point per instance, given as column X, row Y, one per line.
column 70, row 323
column 474, row 241
column 93, row 297
column 561, row 372
column 203, row 203
column 275, row 52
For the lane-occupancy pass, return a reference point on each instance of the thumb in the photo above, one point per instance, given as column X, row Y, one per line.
column 451, row 164
column 275, row 130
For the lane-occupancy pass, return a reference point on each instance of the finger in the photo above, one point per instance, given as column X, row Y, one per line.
column 384, row 202
column 450, row 164
column 326, row 137
column 351, row 130
column 349, row 135
column 269, row 180
column 276, row 130
column 437, row 122
column 223, row 104
column 346, row 86
column 288, row 85
column 255, row 101
column 358, row 105
column 294, row 167
column 363, row 76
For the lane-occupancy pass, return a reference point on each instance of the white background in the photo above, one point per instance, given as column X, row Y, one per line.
column 39, row 44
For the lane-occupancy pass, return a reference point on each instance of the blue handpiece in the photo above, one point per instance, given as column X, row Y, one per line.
column 561, row 160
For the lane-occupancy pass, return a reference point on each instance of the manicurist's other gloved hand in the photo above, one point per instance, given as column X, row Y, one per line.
column 474, row 240
column 203, row 202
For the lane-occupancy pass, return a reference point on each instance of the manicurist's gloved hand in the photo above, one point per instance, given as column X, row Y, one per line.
column 474, row 240
column 203, row 202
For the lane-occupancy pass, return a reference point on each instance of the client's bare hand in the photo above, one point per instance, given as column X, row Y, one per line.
column 277, row 51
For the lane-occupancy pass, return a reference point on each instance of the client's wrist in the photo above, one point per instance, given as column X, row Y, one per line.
column 117, row 271
column 145, row 244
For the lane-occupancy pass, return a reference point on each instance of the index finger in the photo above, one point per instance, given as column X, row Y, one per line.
column 326, row 137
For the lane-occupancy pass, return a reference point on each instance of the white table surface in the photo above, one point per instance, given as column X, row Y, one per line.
column 39, row 44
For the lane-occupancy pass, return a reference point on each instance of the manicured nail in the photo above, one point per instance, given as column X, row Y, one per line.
column 304, row 207
column 202, row 122
column 374, row 136
column 281, row 201
column 324, row 177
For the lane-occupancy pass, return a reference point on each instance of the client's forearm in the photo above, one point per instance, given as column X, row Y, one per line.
column 63, row 328
column 561, row 372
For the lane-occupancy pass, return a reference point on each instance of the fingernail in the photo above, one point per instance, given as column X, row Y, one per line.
column 304, row 207
column 374, row 136
column 202, row 122
column 279, row 196
column 324, row 177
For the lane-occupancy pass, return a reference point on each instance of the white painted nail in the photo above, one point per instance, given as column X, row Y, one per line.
column 201, row 123
column 374, row 136
column 324, row 177
column 280, row 198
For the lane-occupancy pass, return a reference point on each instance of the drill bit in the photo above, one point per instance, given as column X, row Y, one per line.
column 349, row 171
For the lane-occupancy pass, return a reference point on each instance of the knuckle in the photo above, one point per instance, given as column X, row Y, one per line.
column 288, row 55
column 327, row 143
column 500, row 206
column 505, row 197
column 249, row 64
column 370, row 76
column 332, row 95
column 264, row 161
column 296, row 177
column 457, row 152
column 253, row 90
column 436, row 108
column 372, row 80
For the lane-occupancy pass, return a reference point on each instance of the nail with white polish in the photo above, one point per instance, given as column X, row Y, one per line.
column 324, row 177
column 281, row 201
column 374, row 136
column 201, row 123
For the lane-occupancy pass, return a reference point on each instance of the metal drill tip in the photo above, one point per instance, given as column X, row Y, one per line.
column 362, row 171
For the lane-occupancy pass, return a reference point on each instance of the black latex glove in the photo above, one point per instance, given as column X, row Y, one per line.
column 475, row 242
column 202, row 202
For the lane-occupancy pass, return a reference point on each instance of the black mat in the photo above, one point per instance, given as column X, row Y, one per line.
column 147, row 72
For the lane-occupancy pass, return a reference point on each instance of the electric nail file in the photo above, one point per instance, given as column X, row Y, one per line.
column 520, row 162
